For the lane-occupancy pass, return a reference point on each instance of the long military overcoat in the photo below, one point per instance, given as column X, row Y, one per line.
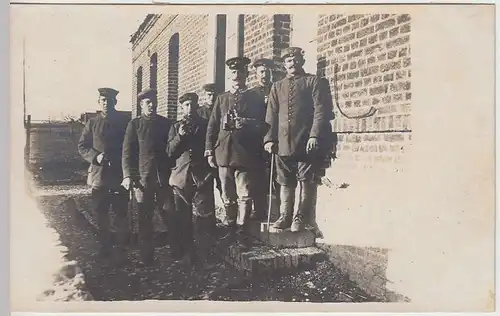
column 299, row 108
column 104, row 134
column 144, row 156
column 237, row 148
column 188, row 154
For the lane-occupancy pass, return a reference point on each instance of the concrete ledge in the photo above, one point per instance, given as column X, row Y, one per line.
column 282, row 238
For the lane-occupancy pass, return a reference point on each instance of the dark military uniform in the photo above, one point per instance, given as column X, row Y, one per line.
column 261, row 183
column 192, row 180
column 298, row 109
column 146, row 162
column 237, row 152
column 204, row 111
column 104, row 134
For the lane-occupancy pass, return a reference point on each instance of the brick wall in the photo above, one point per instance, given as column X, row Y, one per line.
column 264, row 37
column 180, row 72
column 367, row 61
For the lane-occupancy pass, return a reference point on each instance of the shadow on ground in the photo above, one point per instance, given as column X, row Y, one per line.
column 169, row 280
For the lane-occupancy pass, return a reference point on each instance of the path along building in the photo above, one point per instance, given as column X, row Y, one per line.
column 367, row 61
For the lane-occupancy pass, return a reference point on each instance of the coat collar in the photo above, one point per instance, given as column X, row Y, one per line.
column 298, row 75
column 233, row 89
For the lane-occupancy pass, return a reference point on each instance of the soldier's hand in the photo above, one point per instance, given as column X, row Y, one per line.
column 312, row 144
column 211, row 161
column 100, row 158
column 182, row 130
column 126, row 183
column 270, row 147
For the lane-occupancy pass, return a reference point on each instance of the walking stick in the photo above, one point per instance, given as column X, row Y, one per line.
column 270, row 193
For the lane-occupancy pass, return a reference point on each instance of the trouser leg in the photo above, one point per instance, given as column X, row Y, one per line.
column 183, row 232
column 146, row 245
column 260, row 188
column 100, row 207
column 229, row 198
column 119, row 206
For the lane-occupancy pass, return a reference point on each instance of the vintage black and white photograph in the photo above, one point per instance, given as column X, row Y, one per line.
column 253, row 154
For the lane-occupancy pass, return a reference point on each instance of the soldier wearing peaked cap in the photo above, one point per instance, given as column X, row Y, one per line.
column 205, row 110
column 299, row 113
column 146, row 169
column 100, row 145
column 264, row 71
column 233, row 145
column 192, row 180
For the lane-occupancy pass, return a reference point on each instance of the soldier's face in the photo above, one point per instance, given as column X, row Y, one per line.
column 148, row 107
column 263, row 74
column 210, row 96
column 107, row 104
column 238, row 75
column 293, row 64
column 188, row 108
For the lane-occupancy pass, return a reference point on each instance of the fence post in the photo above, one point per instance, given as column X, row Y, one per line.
column 27, row 145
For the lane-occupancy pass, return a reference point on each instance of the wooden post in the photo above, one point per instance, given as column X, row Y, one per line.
column 27, row 145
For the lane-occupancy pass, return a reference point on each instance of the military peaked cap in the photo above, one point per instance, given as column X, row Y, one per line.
column 108, row 92
column 292, row 51
column 264, row 62
column 188, row 96
column 147, row 94
column 237, row 62
column 209, row 87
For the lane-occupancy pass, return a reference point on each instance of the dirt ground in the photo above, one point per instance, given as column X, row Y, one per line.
column 62, row 177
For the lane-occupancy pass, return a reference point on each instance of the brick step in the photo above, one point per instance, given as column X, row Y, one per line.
column 282, row 238
column 262, row 259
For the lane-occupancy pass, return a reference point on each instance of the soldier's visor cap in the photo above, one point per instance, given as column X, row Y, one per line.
column 188, row 96
column 147, row 94
column 108, row 92
column 264, row 62
column 237, row 63
column 292, row 52
column 209, row 87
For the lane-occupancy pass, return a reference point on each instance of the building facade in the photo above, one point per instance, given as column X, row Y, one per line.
column 365, row 57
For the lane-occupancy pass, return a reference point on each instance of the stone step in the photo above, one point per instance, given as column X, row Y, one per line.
column 262, row 259
column 282, row 238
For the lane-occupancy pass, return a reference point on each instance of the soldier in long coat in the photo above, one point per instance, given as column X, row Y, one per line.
column 233, row 145
column 146, row 169
column 298, row 113
column 192, row 177
column 206, row 207
column 101, row 146
column 264, row 70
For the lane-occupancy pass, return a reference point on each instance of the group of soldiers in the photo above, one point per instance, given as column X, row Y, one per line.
column 233, row 139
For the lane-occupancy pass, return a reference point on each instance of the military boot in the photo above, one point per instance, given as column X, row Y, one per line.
column 287, row 201
column 244, row 209
column 231, row 214
column 301, row 215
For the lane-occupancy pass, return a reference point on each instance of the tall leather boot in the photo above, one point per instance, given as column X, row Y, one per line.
column 287, row 201
column 244, row 209
column 231, row 215
column 302, row 214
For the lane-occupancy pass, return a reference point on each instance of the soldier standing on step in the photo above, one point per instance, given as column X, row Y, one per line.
column 205, row 110
column 233, row 145
column 191, row 179
column 101, row 145
column 298, row 113
column 263, row 69
column 146, row 169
